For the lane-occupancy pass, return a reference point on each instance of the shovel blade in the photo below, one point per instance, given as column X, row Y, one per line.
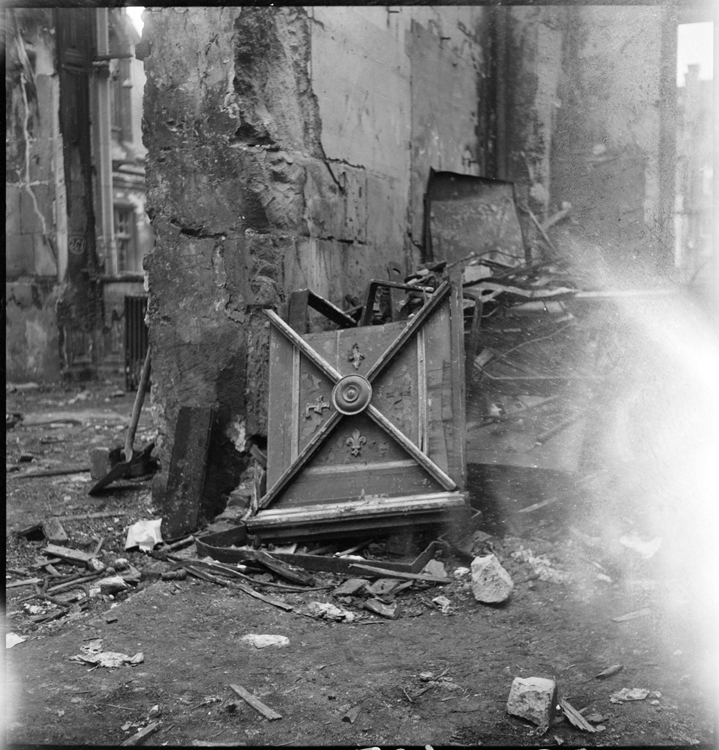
column 117, row 472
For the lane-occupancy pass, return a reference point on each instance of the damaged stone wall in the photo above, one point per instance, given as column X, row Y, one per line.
column 279, row 144
column 290, row 148
column 613, row 147
column 31, row 241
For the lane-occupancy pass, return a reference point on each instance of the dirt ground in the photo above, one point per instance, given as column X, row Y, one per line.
column 558, row 623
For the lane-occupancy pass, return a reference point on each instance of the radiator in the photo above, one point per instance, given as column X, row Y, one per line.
column 136, row 339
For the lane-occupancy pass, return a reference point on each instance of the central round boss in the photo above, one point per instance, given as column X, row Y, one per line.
column 351, row 394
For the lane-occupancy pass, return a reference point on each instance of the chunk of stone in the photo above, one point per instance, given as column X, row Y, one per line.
column 491, row 584
column 381, row 609
column 351, row 587
column 534, row 699
column 112, row 585
column 435, row 568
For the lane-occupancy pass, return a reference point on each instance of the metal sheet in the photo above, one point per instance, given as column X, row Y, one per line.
column 466, row 214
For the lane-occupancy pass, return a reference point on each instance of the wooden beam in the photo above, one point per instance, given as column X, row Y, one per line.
column 258, row 705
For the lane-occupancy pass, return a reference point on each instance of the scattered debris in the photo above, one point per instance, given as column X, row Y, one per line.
column 609, row 671
column 263, row 641
column 52, row 472
column 144, row 534
column 398, row 574
column 542, row 566
column 595, row 718
column 74, row 556
column 645, row 549
column 109, row 659
column 142, row 735
column 443, row 604
column 260, row 707
column 633, row 615
column 385, row 587
column 352, row 714
column 461, row 572
column 154, row 712
column 54, row 532
column 283, row 569
column 629, row 694
column 491, row 584
column 435, row 568
column 351, row 587
column 534, row 699
column 383, row 610
column 12, row 639
column 327, row 611
column 574, row 717
column 26, row 582
column 112, row 585
column 174, row 575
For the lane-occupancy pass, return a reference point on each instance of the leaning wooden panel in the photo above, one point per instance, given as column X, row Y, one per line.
column 366, row 412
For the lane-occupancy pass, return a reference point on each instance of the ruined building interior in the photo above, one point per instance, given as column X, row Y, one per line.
column 371, row 280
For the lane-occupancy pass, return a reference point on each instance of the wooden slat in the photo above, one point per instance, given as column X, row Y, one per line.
column 258, row 705
column 76, row 556
column 375, row 507
column 186, row 476
column 384, row 572
column 320, row 487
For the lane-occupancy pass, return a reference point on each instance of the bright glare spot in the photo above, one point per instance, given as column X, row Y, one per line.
column 135, row 14
column 695, row 46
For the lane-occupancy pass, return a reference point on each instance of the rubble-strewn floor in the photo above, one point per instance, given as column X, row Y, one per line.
column 556, row 625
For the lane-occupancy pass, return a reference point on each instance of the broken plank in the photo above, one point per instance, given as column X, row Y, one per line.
column 75, row 556
column 186, row 475
column 26, row 582
column 283, row 569
column 385, row 573
column 50, row 472
column 632, row 615
column 263, row 598
column 205, row 576
column 101, row 514
column 143, row 734
column 574, row 717
column 76, row 582
column 258, row 705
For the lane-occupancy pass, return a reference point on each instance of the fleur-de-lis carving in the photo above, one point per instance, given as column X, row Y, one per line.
column 356, row 442
column 318, row 407
column 355, row 356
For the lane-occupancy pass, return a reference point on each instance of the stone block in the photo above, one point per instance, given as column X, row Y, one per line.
column 534, row 699
column 100, row 464
column 351, row 587
column 491, row 584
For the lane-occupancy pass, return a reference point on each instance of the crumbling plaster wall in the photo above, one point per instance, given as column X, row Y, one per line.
column 281, row 147
column 613, row 148
column 31, row 263
column 290, row 148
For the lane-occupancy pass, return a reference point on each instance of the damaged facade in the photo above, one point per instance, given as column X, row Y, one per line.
column 76, row 227
column 291, row 148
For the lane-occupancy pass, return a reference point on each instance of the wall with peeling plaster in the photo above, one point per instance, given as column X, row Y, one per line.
column 290, row 148
column 613, row 144
column 31, row 337
column 280, row 149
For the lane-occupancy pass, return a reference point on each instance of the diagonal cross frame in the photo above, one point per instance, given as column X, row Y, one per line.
column 334, row 376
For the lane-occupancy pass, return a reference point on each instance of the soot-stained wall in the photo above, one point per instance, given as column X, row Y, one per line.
column 281, row 145
column 290, row 148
